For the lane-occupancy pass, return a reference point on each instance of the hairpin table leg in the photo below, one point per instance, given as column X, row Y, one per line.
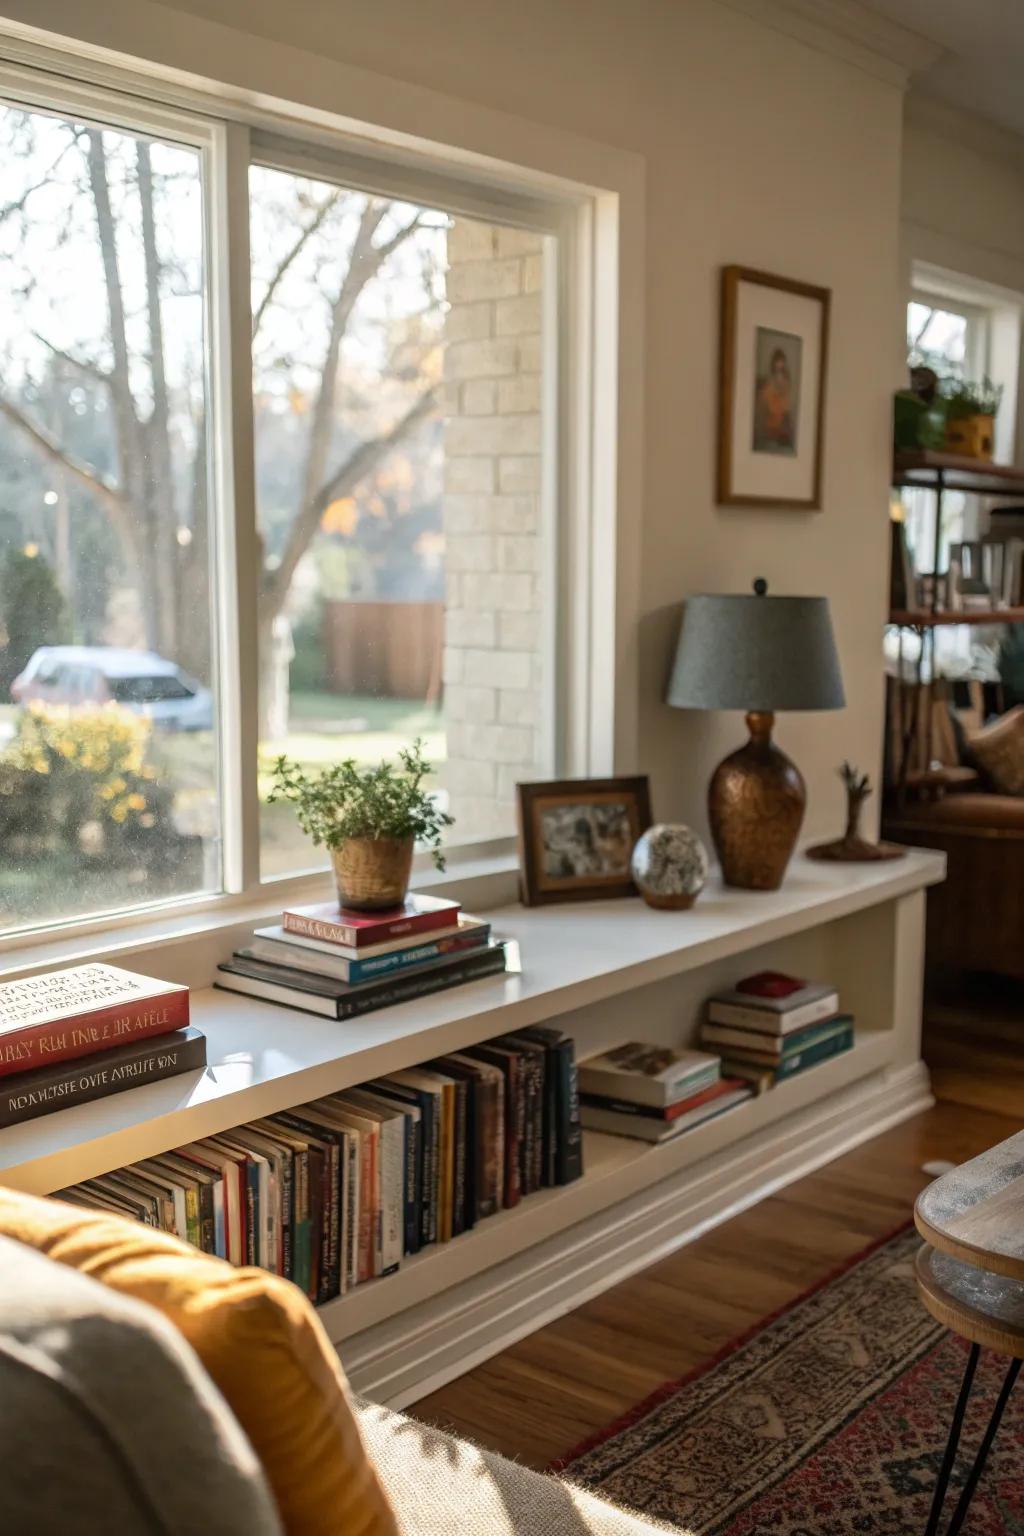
column 951, row 1444
column 986, row 1445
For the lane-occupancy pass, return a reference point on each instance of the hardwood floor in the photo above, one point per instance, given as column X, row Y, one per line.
column 539, row 1398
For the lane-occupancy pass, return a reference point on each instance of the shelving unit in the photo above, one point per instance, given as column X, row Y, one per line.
column 608, row 969
column 926, row 469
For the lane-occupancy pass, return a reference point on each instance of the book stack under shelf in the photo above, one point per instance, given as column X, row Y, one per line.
column 342, row 1190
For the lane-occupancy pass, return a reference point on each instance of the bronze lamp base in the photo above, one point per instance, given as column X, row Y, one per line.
column 756, row 802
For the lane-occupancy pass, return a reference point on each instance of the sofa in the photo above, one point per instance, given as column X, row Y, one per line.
column 110, row 1423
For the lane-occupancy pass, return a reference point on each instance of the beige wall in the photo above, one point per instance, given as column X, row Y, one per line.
column 759, row 150
column 963, row 194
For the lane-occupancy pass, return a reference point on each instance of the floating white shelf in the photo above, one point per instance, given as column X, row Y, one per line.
column 456, row 1303
column 264, row 1058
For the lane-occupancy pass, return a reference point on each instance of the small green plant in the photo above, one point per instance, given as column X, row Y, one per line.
column 964, row 397
column 347, row 801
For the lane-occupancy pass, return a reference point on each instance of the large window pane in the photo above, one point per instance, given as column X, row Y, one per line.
column 108, row 784
column 398, row 362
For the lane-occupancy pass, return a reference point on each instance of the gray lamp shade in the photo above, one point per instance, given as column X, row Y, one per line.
column 756, row 653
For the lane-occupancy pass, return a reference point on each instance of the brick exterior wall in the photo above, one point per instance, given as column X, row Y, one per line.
column 495, row 584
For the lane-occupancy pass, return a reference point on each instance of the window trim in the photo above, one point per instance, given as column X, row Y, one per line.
column 598, row 714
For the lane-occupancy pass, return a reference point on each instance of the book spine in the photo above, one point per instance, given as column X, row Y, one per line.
column 822, row 1050
column 515, row 1128
column 301, row 1252
column 352, row 937
column 419, row 954
column 352, row 1213
column 392, row 1185
column 432, row 1171
column 462, row 1092
column 772, row 1021
column 97, row 1029
column 413, row 1172
column 570, row 1131
column 288, row 1216
column 193, row 1219
column 59, row 1086
column 252, row 1200
column 402, row 989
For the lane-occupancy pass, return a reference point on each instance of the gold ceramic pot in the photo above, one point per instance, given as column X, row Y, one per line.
column 372, row 873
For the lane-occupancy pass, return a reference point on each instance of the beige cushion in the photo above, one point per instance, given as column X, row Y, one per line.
column 439, row 1485
column 999, row 749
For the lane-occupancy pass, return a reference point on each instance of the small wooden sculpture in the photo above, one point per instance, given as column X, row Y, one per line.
column 851, row 848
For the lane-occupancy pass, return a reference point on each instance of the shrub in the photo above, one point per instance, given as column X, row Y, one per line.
column 32, row 612
column 93, row 764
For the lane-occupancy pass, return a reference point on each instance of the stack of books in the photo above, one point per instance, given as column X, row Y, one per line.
column 771, row 1026
column 340, row 963
column 71, row 1036
column 654, row 1092
column 341, row 1190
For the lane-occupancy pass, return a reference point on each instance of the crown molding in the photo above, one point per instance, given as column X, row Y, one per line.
column 849, row 31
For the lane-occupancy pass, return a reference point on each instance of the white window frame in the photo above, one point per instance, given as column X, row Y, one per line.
column 977, row 348
column 591, row 698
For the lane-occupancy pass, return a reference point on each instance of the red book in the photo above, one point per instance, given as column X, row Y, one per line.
column 89, row 1008
column 724, row 1085
column 355, row 930
column 770, row 984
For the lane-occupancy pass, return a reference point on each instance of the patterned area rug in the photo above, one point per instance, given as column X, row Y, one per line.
column 829, row 1418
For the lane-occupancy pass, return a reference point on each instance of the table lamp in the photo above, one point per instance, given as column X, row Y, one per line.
column 759, row 654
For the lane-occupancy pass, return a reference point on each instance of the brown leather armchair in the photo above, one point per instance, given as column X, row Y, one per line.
column 976, row 917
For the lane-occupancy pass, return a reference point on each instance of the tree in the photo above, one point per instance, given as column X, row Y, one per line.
column 32, row 612
column 122, row 218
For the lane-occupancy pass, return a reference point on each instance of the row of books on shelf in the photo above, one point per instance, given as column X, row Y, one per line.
column 768, row 1028
column 327, row 960
column 341, row 1190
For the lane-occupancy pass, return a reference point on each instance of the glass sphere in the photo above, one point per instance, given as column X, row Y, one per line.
column 670, row 865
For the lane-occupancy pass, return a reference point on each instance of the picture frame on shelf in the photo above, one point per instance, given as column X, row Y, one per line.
column 773, row 365
column 576, row 837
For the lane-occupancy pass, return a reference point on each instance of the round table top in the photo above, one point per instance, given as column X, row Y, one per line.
column 976, row 1212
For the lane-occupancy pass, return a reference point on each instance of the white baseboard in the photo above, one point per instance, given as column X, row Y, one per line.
column 419, row 1350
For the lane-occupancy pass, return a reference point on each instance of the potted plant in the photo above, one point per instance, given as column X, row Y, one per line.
column 370, row 818
column 970, row 416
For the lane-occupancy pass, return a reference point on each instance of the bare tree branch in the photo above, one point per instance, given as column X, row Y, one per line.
column 294, row 250
column 19, row 203
column 108, row 495
column 360, row 463
column 84, row 365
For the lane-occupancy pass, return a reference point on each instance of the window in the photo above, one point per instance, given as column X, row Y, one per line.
column 108, row 792
column 406, row 418
column 398, row 366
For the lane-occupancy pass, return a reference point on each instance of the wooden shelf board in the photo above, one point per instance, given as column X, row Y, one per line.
column 911, row 618
column 921, row 466
column 615, row 1167
column 264, row 1058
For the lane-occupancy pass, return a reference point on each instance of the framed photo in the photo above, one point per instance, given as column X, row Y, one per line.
column 576, row 837
column 774, row 358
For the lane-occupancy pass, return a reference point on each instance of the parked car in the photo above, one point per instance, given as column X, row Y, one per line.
column 80, row 675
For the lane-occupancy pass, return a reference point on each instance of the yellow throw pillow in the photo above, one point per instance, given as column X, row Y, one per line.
column 259, row 1340
column 999, row 748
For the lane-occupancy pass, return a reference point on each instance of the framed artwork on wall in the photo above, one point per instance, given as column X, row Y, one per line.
column 576, row 837
column 773, row 365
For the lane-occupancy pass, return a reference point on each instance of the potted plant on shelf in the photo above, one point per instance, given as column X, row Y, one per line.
column 371, row 819
column 971, row 416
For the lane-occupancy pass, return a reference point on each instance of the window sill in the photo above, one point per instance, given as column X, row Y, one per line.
column 185, row 943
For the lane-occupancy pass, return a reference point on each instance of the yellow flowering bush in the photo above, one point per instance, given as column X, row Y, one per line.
column 92, row 761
